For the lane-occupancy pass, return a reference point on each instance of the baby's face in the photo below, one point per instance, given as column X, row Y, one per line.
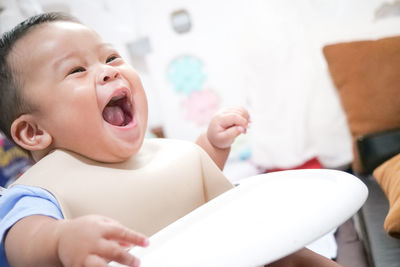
column 83, row 93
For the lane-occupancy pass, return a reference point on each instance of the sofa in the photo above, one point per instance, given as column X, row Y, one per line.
column 378, row 152
column 381, row 249
column 367, row 78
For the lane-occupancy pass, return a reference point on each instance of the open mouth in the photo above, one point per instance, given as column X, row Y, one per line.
column 118, row 111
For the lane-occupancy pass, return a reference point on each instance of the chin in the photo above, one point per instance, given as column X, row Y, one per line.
column 123, row 153
column 110, row 158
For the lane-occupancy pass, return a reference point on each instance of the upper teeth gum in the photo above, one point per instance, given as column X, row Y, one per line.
column 117, row 97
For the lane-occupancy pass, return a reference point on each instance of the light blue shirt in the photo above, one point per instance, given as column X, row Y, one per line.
column 22, row 201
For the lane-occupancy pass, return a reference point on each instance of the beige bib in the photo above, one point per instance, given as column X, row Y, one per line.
column 164, row 181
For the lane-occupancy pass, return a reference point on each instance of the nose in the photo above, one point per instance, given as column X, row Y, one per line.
column 107, row 74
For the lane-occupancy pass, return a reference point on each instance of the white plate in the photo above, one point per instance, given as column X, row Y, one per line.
column 263, row 219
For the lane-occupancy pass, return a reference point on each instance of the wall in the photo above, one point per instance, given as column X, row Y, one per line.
column 208, row 51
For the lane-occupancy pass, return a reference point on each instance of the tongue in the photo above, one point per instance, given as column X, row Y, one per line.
column 114, row 115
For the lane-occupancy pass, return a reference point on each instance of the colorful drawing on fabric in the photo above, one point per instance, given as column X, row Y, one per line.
column 201, row 105
column 13, row 161
column 186, row 74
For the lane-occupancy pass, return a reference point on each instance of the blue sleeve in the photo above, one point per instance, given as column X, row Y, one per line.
column 22, row 201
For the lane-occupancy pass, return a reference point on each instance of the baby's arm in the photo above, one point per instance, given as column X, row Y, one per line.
column 86, row 241
column 224, row 127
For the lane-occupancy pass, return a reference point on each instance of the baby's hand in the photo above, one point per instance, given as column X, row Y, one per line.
column 226, row 125
column 95, row 240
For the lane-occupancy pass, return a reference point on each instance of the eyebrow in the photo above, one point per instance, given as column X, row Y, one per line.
column 61, row 59
column 76, row 54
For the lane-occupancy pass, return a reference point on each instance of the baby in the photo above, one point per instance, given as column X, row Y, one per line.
column 72, row 102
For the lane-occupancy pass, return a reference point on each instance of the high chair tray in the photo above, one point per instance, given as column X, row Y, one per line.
column 263, row 219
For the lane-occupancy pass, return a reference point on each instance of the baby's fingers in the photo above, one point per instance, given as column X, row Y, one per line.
column 232, row 132
column 112, row 251
column 232, row 120
column 124, row 235
column 241, row 111
column 94, row 260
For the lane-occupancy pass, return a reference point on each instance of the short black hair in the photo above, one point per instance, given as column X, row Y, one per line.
column 12, row 104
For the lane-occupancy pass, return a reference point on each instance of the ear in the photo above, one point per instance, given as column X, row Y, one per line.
column 28, row 134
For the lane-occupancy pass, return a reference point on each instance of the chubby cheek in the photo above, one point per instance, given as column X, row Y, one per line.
column 140, row 100
column 83, row 112
column 142, row 110
column 77, row 122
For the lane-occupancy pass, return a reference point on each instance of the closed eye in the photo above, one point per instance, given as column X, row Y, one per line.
column 112, row 58
column 76, row 70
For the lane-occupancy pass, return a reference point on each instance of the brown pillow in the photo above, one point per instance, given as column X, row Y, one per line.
column 388, row 177
column 367, row 77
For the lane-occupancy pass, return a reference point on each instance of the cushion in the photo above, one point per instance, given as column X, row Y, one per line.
column 375, row 148
column 367, row 77
column 388, row 177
